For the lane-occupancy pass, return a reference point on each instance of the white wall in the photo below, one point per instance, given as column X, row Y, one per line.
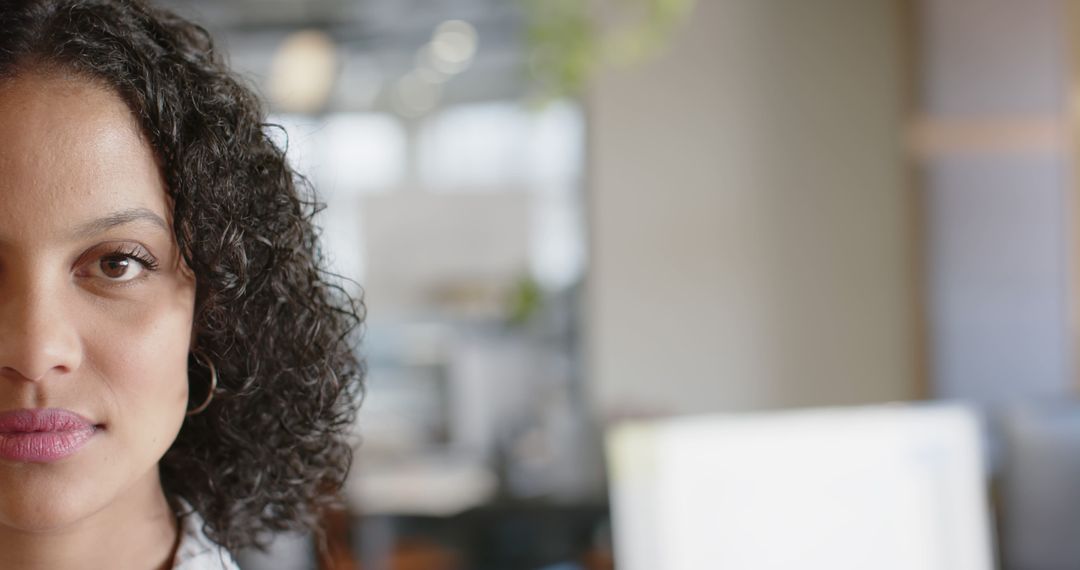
column 751, row 238
column 998, row 262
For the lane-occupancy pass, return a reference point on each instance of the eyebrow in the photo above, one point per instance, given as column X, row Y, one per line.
column 120, row 218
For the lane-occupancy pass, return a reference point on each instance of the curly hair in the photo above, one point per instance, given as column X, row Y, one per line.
column 273, row 448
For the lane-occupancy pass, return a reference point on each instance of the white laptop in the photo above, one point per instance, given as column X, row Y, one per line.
column 883, row 488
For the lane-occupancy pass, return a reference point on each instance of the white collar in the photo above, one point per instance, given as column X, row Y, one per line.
column 196, row 551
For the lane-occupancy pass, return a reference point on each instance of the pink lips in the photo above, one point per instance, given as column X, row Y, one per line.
column 42, row 435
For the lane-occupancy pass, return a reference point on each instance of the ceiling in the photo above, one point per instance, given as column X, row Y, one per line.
column 376, row 43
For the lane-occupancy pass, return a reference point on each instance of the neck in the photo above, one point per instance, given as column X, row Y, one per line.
column 135, row 532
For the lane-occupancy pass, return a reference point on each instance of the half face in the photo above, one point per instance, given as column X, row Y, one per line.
column 96, row 306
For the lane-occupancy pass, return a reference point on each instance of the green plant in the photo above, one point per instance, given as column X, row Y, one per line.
column 568, row 40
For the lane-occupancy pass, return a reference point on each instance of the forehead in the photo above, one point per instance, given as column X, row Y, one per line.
column 72, row 150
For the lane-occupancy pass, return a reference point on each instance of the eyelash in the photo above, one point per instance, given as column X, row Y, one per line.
column 148, row 264
column 130, row 252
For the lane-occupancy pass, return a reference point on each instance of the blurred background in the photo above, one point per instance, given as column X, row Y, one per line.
column 607, row 245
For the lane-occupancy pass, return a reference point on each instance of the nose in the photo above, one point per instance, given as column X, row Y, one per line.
column 38, row 338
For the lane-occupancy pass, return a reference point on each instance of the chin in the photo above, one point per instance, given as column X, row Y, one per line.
column 41, row 509
column 50, row 497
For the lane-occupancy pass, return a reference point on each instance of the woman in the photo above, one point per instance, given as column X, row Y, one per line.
column 177, row 375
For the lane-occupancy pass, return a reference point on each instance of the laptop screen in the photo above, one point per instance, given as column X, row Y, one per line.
column 889, row 488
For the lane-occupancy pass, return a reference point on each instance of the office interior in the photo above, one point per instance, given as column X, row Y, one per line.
column 686, row 284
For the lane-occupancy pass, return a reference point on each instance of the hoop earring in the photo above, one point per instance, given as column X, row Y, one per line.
column 206, row 362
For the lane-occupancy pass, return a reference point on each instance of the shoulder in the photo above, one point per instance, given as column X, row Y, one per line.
column 196, row 551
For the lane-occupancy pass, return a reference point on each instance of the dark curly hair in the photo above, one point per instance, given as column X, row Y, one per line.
column 273, row 448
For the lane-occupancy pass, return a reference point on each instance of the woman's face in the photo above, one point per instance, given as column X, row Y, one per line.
column 95, row 306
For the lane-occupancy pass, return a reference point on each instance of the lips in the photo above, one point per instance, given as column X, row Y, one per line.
column 43, row 435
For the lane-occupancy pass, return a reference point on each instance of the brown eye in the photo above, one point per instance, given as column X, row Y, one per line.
column 119, row 268
column 122, row 264
column 114, row 268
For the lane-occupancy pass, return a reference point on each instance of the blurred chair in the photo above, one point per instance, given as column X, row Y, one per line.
column 1041, row 488
column 888, row 488
column 292, row 551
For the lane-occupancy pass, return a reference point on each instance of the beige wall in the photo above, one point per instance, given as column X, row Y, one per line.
column 751, row 242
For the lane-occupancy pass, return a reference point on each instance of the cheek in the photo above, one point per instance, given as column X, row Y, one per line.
column 140, row 352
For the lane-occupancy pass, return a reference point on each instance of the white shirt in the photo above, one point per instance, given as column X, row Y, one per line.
column 196, row 551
